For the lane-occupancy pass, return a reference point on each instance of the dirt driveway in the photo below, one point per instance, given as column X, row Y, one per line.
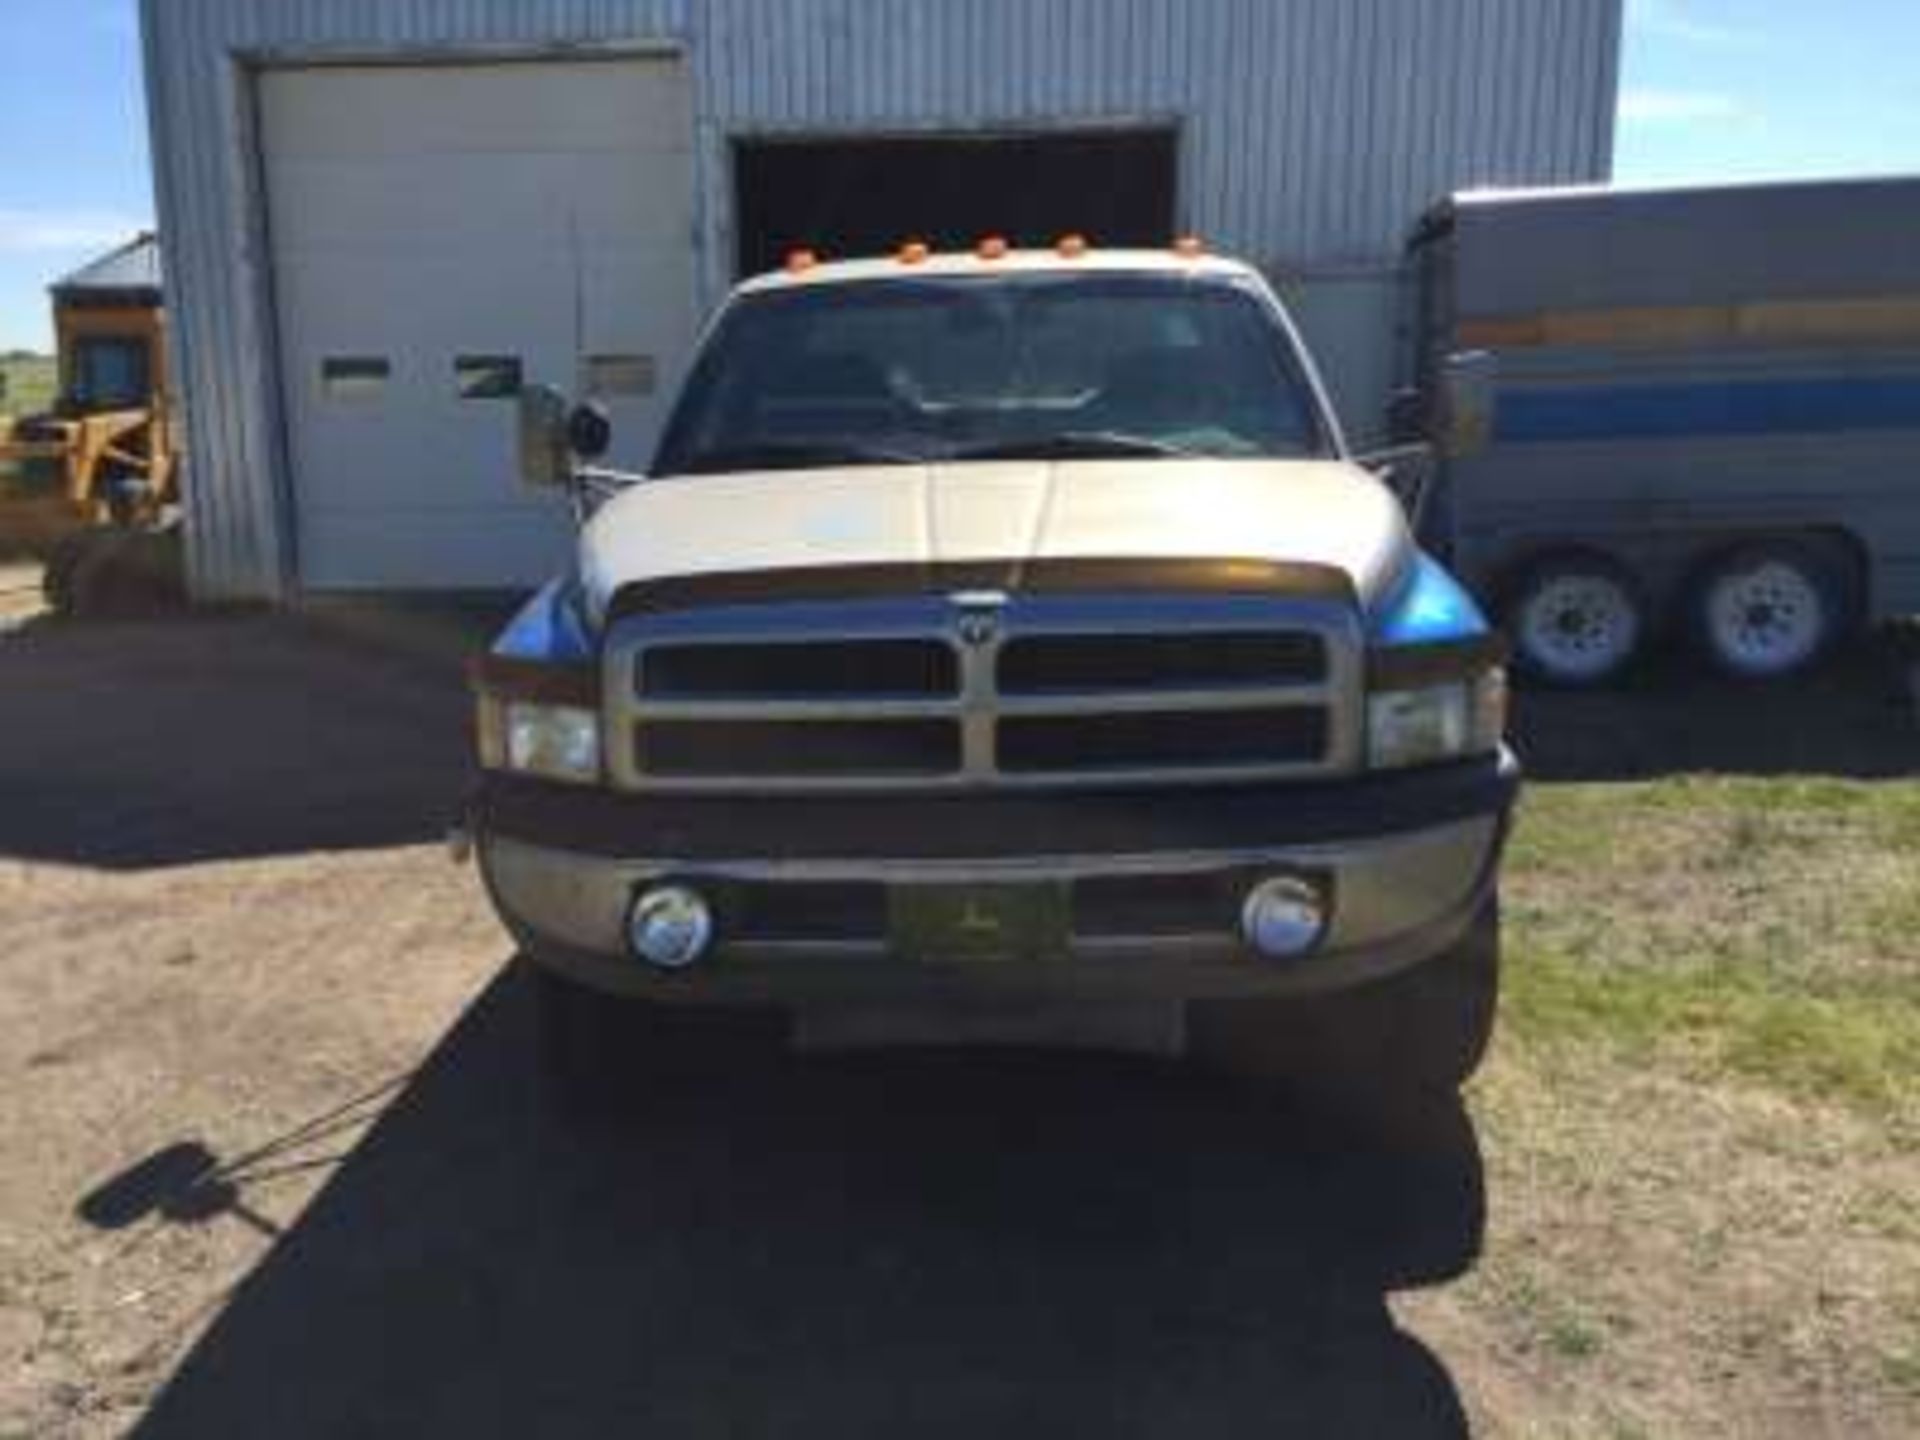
column 272, row 1132
column 272, row 1161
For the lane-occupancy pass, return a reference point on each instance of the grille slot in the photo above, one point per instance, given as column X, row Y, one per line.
column 817, row 670
column 803, row 749
column 1159, row 740
column 1172, row 660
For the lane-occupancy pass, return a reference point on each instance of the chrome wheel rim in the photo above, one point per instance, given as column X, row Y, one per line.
column 1765, row 619
column 1579, row 627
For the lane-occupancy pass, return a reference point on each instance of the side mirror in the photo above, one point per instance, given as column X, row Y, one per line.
column 545, row 463
column 1469, row 385
column 1406, row 417
column 589, row 431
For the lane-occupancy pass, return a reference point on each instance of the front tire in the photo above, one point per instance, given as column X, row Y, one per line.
column 1421, row 1031
column 63, row 562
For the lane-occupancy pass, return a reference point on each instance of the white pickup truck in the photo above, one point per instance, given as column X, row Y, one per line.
column 1001, row 646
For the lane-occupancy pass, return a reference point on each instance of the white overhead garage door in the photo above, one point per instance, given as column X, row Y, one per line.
column 431, row 228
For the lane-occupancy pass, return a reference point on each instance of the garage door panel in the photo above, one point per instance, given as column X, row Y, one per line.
column 422, row 304
column 335, row 203
column 340, row 294
column 591, row 106
column 405, row 248
column 480, row 550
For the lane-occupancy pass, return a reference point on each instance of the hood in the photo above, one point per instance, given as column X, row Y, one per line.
column 1307, row 512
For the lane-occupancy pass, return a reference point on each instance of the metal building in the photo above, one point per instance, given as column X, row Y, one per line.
column 381, row 217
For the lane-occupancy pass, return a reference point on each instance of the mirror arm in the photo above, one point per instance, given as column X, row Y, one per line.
column 592, row 486
column 1393, row 455
column 1388, row 464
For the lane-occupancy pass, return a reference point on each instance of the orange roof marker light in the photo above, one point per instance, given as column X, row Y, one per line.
column 914, row 252
column 994, row 247
column 801, row 261
column 1190, row 247
column 1071, row 247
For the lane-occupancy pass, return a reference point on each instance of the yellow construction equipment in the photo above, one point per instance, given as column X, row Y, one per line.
column 94, row 486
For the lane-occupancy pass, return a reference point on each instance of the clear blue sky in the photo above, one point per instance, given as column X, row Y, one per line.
column 1711, row 90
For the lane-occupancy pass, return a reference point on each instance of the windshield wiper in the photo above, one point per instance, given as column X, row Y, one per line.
column 1074, row 445
column 793, row 455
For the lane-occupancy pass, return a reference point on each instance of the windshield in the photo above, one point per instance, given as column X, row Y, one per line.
column 110, row 373
column 1040, row 366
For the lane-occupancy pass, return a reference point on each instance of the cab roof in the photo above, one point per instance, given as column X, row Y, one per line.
column 971, row 265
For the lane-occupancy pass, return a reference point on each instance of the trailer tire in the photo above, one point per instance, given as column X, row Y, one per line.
column 1769, row 610
column 1577, row 619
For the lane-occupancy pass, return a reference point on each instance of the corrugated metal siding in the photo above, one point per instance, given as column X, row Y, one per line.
column 1313, row 133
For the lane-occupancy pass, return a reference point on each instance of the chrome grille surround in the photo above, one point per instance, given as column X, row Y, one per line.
column 976, row 707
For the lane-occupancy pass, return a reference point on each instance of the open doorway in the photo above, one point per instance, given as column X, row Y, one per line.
column 864, row 196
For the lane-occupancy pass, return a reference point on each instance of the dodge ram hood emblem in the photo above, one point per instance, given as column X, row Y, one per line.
column 979, row 621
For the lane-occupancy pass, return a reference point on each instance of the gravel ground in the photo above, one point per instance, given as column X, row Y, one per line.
column 273, row 1161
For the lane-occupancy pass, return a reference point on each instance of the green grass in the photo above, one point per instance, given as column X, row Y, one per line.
column 30, row 384
column 1859, row 1044
column 1764, row 930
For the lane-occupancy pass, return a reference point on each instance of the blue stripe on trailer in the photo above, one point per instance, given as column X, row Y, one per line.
column 1717, row 407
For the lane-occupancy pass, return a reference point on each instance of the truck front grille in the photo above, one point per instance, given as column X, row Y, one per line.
column 937, row 693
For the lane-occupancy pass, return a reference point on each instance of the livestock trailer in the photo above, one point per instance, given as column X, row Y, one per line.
column 1707, row 415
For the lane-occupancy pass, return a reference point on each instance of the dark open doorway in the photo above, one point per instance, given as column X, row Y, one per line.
column 848, row 197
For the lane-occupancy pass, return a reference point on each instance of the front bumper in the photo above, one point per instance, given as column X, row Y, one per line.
column 1409, row 860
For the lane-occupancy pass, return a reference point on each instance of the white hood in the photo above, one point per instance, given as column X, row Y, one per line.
column 1315, row 512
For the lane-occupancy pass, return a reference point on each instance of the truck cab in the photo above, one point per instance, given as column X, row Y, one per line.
column 1001, row 646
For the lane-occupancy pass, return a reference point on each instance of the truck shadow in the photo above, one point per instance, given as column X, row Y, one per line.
column 912, row 1244
column 1858, row 718
column 141, row 745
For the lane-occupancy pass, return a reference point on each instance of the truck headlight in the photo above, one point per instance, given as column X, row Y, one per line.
column 555, row 742
column 1435, row 723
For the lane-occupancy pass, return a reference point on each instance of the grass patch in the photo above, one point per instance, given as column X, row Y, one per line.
column 27, row 384
column 1860, row 1044
column 1759, row 928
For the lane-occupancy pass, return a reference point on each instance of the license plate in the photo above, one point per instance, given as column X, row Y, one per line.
column 979, row 923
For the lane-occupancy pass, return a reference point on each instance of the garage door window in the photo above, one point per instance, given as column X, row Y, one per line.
column 609, row 375
column 354, row 377
column 487, row 377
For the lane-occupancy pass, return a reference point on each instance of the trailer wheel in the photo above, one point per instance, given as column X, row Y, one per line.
column 1768, row 611
column 1576, row 619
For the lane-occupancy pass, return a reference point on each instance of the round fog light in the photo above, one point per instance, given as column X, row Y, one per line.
column 1284, row 916
column 670, row 926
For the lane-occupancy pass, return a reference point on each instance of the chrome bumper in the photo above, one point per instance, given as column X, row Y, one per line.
column 1397, row 899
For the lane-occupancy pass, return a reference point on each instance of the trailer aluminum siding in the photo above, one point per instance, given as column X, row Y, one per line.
column 1310, row 136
